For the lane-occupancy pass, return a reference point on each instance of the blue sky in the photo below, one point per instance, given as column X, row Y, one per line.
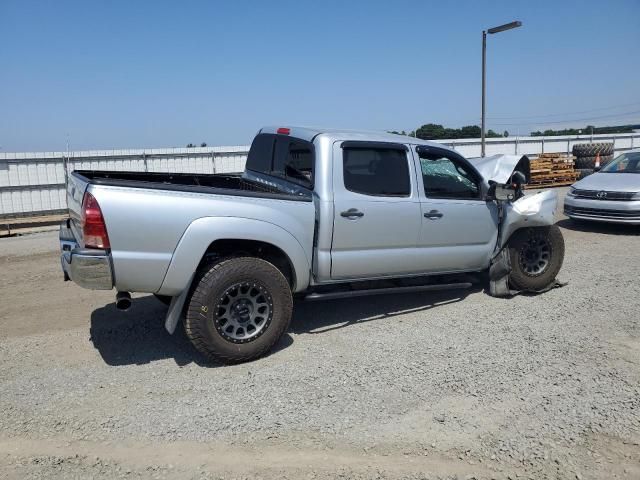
column 112, row 74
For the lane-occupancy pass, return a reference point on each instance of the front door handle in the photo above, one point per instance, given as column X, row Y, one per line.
column 433, row 214
column 352, row 213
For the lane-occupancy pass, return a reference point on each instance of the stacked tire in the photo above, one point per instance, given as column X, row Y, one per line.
column 586, row 154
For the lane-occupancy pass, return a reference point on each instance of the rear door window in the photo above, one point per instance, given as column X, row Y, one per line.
column 373, row 171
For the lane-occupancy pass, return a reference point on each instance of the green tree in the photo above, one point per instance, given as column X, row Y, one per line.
column 431, row 131
column 470, row 131
column 586, row 130
column 505, row 134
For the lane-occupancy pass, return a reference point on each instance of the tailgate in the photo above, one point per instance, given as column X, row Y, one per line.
column 76, row 187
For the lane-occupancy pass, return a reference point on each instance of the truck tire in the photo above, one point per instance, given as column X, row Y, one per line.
column 585, row 162
column 592, row 149
column 536, row 256
column 584, row 172
column 239, row 309
column 590, row 162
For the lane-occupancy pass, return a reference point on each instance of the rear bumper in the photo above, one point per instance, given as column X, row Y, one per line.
column 627, row 212
column 89, row 268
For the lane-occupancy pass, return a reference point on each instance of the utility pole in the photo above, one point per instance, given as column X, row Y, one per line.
column 491, row 31
column 484, row 90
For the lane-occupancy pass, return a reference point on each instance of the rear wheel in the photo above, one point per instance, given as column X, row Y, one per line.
column 239, row 309
column 536, row 257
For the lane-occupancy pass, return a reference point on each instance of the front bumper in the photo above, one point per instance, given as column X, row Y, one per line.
column 89, row 268
column 627, row 212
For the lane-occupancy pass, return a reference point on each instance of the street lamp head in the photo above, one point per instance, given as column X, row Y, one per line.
column 506, row 26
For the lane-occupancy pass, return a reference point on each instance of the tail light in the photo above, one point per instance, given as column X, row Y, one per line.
column 94, row 229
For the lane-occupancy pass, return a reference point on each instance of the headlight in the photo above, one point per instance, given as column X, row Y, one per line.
column 636, row 196
column 571, row 192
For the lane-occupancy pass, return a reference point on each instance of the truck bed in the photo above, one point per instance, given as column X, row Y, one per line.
column 148, row 214
column 221, row 184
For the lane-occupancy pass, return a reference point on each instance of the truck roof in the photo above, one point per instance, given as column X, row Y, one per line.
column 309, row 133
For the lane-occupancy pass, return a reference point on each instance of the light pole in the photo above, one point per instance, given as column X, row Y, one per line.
column 491, row 31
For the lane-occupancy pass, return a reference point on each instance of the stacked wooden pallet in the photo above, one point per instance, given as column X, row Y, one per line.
column 552, row 170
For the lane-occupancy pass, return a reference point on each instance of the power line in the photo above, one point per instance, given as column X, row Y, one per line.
column 573, row 120
column 566, row 113
column 531, row 123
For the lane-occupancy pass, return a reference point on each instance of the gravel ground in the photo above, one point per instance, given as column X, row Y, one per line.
column 446, row 385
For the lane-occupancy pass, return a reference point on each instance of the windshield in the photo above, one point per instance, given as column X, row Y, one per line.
column 626, row 163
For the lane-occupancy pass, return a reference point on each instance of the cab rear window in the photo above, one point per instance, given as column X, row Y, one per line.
column 260, row 158
column 283, row 156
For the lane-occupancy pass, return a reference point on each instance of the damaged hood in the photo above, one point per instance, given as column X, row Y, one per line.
column 499, row 168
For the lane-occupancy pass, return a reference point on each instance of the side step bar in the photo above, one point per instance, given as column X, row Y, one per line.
column 385, row 291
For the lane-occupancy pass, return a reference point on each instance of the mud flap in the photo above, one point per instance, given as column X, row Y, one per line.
column 499, row 278
column 499, row 275
column 176, row 308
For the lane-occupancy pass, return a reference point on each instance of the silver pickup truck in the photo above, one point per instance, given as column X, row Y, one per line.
column 316, row 214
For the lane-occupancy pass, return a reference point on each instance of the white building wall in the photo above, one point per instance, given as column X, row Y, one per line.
column 34, row 182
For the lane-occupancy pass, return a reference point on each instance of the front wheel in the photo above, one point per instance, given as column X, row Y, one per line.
column 536, row 256
column 239, row 309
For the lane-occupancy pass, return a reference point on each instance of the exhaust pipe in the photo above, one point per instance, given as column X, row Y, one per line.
column 123, row 301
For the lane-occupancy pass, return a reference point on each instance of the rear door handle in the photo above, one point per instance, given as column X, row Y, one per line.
column 433, row 214
column 352, row 213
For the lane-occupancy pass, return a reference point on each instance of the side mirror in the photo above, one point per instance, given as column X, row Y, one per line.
column 501, row 192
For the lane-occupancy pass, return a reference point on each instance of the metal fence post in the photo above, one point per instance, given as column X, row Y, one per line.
column 144, row 160
column 65, row 163
column 213, row 162
column 542, row 144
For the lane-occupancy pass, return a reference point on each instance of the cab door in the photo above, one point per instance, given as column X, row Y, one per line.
column 459, row 228
column 377, row 216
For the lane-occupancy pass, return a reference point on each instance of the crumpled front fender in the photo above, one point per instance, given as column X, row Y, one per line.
column 537, row 210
